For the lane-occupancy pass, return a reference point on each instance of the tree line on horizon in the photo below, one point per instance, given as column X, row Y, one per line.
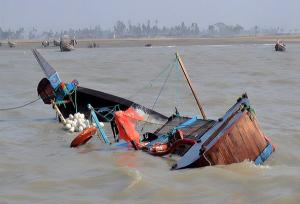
column 121, row 30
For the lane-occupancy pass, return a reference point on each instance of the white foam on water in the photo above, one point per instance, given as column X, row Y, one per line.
column 136, row 177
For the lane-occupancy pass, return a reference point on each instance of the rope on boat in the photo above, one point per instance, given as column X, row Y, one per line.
column 71, row 100
column 156, row 78
column 162, row 88
column 21, row 106
column 168, row 69
column 159, row 93
column 206, row 158
column 111, row 109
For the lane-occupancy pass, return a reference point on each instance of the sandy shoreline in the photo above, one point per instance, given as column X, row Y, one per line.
column 137, row 42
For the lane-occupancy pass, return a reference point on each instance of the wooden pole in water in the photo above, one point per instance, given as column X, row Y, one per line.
column 190, row 85
column 63, row 120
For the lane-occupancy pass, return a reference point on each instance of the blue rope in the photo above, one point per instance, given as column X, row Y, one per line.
column 111, row 110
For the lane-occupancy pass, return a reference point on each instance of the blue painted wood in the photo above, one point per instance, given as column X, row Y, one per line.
column 100, row 129
column 54, row 80
column 264, row 155
column 122, row 143
column 193, row 154
column 49, row 71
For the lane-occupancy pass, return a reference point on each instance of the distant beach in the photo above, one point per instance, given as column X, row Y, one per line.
column 169, row 41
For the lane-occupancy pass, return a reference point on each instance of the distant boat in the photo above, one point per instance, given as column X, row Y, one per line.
column 148, row 45
column 0, row 43
column 12, row 44
column 280, row 46
column 67, row 44
column 45, row 43
column 56, row 43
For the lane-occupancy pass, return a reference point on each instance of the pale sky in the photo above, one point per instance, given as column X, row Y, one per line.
column 65, row 14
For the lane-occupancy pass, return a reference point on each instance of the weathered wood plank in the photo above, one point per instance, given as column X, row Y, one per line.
column 244, row 140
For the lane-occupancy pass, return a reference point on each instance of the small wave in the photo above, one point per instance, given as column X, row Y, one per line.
column 246, row 167
column 135, row 175
column 251, row 164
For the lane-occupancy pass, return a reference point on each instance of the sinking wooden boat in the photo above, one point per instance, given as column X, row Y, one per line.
column 12, row 44
column 233, row 138
column 280, row 46
column 72, row 98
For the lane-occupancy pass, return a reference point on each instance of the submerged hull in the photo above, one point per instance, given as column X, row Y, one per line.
column 233, row 138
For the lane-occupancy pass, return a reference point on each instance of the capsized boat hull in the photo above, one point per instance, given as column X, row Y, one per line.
column 233, row 138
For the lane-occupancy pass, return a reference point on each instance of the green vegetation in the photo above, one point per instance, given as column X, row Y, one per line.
column 121, row 30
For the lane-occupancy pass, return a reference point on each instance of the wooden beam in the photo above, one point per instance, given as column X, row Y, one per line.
column 190, row 85
column 63, row 120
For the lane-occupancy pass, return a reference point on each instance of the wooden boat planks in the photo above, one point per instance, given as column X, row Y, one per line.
column 242, row 141
column 233, row 138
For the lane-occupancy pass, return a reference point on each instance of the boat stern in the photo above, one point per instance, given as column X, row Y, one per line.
column 234, row 138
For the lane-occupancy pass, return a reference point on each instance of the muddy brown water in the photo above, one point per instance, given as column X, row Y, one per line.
column 37, row 165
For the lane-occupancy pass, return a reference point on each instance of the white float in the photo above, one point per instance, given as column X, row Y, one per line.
column 77, row 123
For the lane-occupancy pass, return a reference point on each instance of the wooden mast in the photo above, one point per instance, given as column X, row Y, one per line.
column 190, row 85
